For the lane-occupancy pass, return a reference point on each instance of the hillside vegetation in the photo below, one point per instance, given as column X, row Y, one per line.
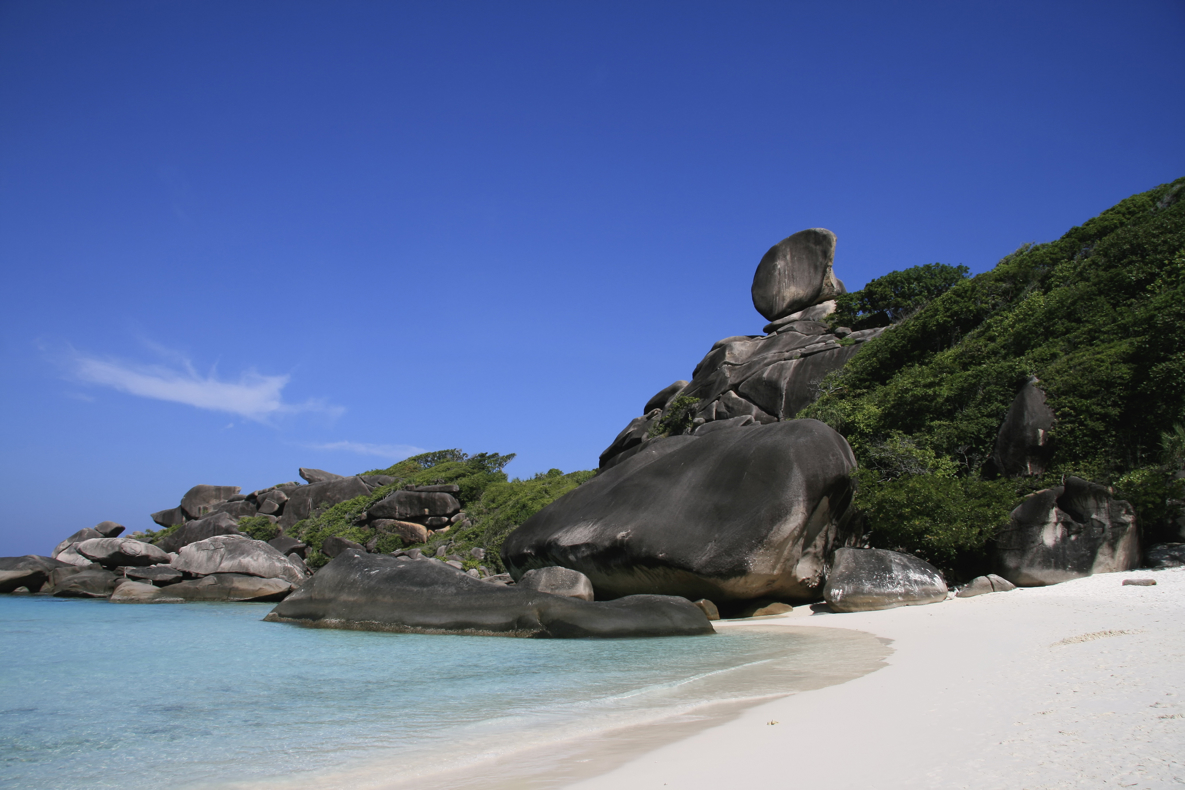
column 1098, row 317
column 493, row 504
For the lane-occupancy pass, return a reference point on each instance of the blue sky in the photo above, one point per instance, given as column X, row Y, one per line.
column 242, row 237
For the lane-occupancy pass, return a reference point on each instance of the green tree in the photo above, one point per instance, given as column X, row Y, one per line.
column 888, row 299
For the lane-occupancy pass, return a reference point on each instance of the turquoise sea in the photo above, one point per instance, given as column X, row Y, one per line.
column 101, row 695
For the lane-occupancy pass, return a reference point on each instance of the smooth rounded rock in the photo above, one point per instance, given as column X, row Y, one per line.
column 87, row 583
column 981, row 585
column 198, row 500
column 75, row 539
column 865, row 580
column 237, row 554
column 376, row 592
column 737, row 514
column 109, row 529
column 795, row 274
column 201, row 529
column 558, row 581
column 115, row 552
column 232, row 587
column 140, row 592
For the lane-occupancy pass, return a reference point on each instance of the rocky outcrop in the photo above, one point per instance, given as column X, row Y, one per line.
column 200, row 499
column 558, row 581
column 116, row 552
column 160, row 575
column 169, row 518
column 318, row 475
column 1067, row 532
column 74, row 540
column 87, row 583
column 109, row 529
column 1022, row 445
column 796, row 274
column 31, row 572
column 201, row 529
column 764, row 378
column 286, row 545
column 373, row 592
column 237, row 554
column 982, row 585
column 737, row 514
column 302, row 501
column 335, row 545
column 231, row 587
column 413, row 504
column 864, row 580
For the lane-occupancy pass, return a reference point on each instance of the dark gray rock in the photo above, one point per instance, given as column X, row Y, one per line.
column 70, row 556
column 232, row 587
column 109, row 529
column 237, row 554
column 318, row 476
column 377, row 481
column 271, row 502
column 160, row 575
column 864, row 335
column 631, row 437
column 864, row 580
column 31, row 571
column 795, row 274
column 286, row 545
column 814, row 313
column 374, row 592
column 409, row 531
column 139, row 592
column 304, row 500
column 1065, row 533
column 192, row 532
column 785, row 388
column 169, row 518
column 663, row 396
column 558, row 581
column 116, row 552
column 238, row 509
column 86, row 583
column 1022, row 445
column 1166, row 555
column 75, row 539
column 981, row 585
column 439, row 488
column 334, row 545
column 403, row 505
column 724, row 425
column 731, row 405
column 738, row 514
column 199, row 500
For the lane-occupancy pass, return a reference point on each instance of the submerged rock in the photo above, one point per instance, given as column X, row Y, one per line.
column 375, row 592
column 737, row 514
column 863, row 580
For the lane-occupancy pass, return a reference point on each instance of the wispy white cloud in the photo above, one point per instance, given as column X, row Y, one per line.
column 253, row 396
column 395, row 452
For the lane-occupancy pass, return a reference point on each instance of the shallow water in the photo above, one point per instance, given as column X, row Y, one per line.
column 99, row 695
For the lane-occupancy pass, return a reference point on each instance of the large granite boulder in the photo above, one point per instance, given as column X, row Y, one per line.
column 1067, row 532
column 202, row 529
column 114, row 552
column 318, row 475
column 664, row 396
column 403, row 505
column 70, row 556
column 199, row 500
column 1022, row 445
column 234, row 587
column 271, row 502
column 302, row 501
column 376, row 592
column 169, row 518
column 409, row 531
column 141, row 592
column 109, row 529
column 160, row 575
column 31, row 571
column 558, row 581
column 78, row 537
column 795, row 274
column 738, row 514
column 87, row 583
column 237, row 554
column 286, row 545
column 335, row 545
column 864, row 580
column 236, row 508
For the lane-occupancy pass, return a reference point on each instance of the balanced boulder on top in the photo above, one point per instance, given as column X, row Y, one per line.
column 796, row 273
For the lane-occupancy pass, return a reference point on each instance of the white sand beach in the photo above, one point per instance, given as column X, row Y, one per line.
column 1079, row 685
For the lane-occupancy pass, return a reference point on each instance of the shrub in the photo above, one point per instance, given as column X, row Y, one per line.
column 258, row 527
column 676, row 419
column 888, row 299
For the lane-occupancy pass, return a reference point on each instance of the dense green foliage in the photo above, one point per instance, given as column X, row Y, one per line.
column 889, row 299
column 1098, row 316
column 493, row 504
column 676, row 419
column 258, row 527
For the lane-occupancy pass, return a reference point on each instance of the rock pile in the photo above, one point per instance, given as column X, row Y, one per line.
column 749, row 379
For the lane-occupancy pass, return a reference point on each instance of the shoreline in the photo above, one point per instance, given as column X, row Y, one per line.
column 1080, row 684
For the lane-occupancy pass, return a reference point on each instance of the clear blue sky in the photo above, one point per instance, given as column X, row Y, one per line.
column 242, row 237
